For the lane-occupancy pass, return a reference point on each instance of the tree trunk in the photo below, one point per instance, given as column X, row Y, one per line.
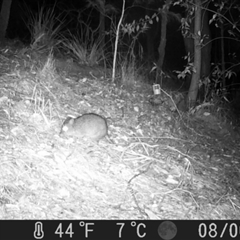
column 4, row 17
column 223, row 59
column 193, row 90
column 150, row 44
column 163, row 41
column 102, row 24
column 206, row 46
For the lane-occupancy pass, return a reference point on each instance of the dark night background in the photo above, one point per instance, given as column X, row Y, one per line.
column 175, row 46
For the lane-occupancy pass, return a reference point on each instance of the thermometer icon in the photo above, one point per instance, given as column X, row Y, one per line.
column 38, row 233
